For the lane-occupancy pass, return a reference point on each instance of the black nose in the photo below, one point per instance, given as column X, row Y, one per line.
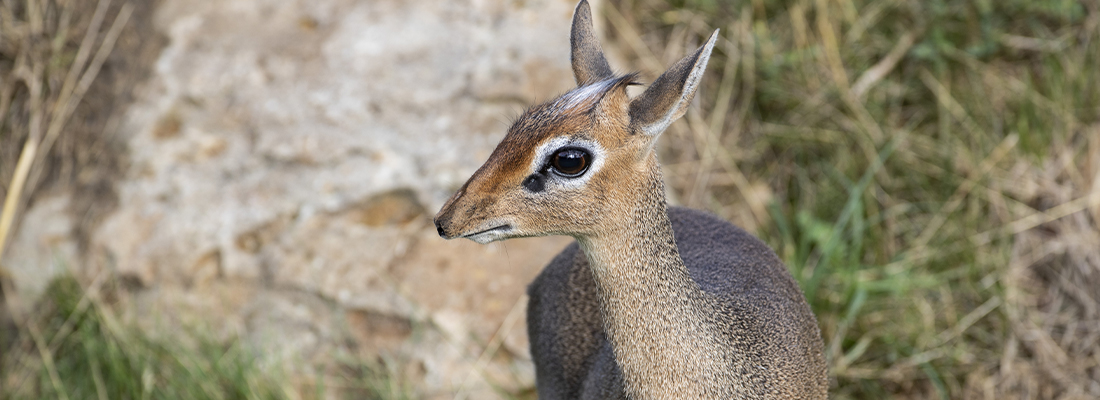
column 439, row 229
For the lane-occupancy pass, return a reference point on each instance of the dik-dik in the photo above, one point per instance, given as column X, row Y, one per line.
column 651, row 302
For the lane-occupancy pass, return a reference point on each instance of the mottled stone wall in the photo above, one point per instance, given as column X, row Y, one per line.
column 286, row 158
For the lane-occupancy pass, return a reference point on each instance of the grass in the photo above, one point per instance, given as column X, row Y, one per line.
column 926, row 168
column 74, row 347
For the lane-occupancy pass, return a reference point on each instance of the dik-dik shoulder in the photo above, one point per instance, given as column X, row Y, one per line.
column 743, row 274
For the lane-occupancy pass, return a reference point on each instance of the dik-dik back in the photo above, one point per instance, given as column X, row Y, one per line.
column 763, row 309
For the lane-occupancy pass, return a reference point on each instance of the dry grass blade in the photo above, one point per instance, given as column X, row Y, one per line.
column 7, row 90
column 38, row 143
column 956, row 198
column 1033, row 44
column 967, row 321
column 633, row 38
column 15, row 191
column 875, row 74
column 1037, row 218
column 943, row 94
column 13, row 199
column 47, row 359
column 826, row 29
column 85, row 301
column 83, row 51
column 68, row 101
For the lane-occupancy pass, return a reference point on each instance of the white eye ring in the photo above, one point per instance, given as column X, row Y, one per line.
column 543, row 161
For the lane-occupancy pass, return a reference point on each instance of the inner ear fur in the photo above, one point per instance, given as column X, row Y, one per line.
column 668, row 97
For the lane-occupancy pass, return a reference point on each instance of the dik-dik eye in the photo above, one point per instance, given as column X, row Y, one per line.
column 571, row 162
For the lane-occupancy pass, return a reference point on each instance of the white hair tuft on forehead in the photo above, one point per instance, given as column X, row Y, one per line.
column 584, row 96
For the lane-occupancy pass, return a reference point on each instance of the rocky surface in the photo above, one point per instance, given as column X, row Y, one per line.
column 285, row 160
column 43, row 248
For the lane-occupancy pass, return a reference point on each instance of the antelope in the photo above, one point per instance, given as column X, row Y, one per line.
column 650, row 301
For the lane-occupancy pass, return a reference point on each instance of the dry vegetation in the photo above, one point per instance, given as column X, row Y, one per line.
column 930, row 170
column 53, row 56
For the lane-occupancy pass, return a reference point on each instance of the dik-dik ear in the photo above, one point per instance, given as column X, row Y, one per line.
column 668, row 97
column 589, row 64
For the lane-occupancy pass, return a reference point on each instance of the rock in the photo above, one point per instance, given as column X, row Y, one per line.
column 42, row 248
column 287, row 157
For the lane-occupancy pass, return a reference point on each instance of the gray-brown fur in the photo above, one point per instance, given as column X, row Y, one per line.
column 768, row 336
column 589, row 63
column 650, row 303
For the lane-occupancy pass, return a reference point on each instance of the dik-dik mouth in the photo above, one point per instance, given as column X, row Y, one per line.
column 489, row 235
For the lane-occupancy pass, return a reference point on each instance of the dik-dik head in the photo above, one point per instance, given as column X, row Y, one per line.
column 568, row 166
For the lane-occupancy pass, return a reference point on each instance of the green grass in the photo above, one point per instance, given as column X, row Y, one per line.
column 75, row 349
column 72, row 346
column 896, row 204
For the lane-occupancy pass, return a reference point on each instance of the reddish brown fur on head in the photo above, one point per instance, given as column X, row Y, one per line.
column 520, row 191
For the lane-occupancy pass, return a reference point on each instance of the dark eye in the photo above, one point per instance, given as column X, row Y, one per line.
column 571, row 162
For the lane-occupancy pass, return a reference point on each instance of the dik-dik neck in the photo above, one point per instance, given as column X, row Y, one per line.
column 654, row 313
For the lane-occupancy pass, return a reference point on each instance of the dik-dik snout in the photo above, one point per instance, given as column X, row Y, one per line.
column 472, row 217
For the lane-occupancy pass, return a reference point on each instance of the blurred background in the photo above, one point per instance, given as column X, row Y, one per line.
column 232, row 199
